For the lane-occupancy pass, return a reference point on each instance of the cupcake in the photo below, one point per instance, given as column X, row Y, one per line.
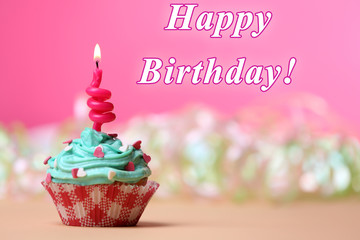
column 97, row 181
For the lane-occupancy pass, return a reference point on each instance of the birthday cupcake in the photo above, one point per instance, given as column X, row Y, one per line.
column 97, row 181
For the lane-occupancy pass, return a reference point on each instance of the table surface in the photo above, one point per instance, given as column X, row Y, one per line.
column 174, row 219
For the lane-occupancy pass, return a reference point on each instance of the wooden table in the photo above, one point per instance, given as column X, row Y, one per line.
column 174, row 219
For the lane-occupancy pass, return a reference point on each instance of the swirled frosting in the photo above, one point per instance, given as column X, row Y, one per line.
column 79, row 155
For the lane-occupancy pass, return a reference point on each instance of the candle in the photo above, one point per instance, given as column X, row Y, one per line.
column 100, row 110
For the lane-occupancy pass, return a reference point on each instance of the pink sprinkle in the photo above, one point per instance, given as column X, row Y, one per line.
column 113, row 135
column 137, row 145
column 74, row 172
column 130, row 167
column 68, row 141
column 146, row 158
column 48, row 178
column 99, row 152
column 46, row 160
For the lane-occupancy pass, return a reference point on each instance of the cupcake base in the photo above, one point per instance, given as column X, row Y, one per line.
column 100, row 205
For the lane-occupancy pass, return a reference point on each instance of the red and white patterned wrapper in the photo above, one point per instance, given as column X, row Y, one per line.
column 101, row 205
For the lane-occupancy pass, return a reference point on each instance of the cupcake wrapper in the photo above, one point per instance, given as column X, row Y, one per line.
column 101, row 205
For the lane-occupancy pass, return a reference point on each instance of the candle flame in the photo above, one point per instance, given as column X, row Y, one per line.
column 97, row 53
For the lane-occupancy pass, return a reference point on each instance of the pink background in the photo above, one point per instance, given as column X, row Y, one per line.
column 47, row 47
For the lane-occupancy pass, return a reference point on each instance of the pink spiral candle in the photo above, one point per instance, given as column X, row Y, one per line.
column 100, row 110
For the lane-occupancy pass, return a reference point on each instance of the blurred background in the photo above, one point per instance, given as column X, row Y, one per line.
column 233, row 143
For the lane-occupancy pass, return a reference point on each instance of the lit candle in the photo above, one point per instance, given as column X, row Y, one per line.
column 100, row 110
